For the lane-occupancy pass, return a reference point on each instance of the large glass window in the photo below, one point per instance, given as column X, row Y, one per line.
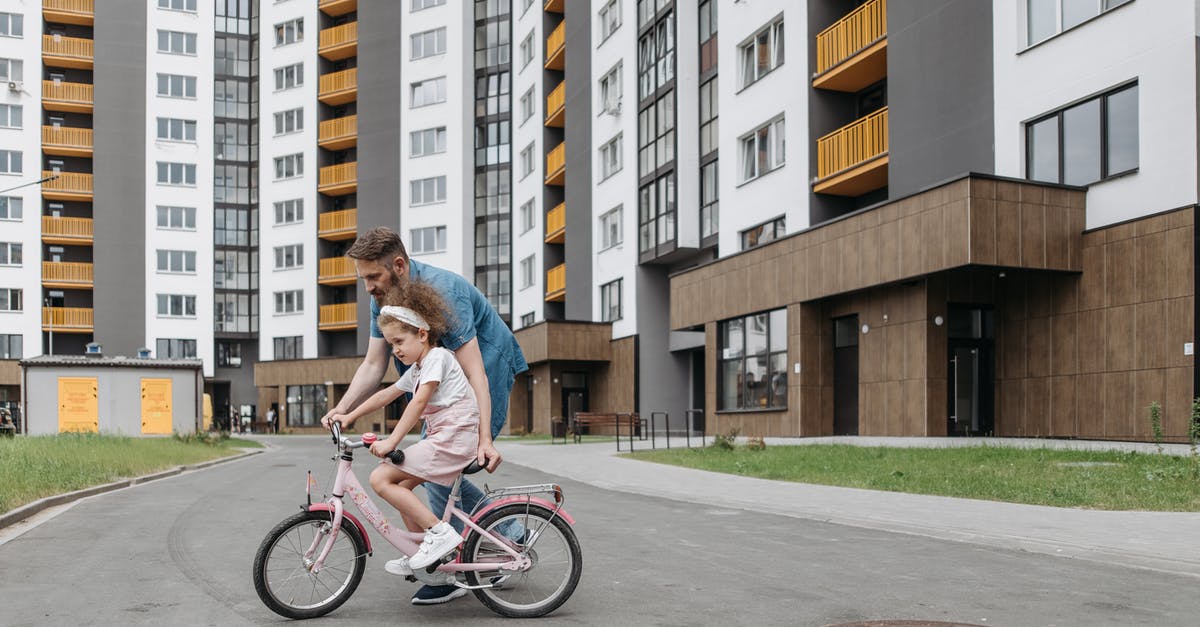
column 11, row 299
column 428, row 43
column 710, row 205
column 752, row 362
column 428, row 141
column 1086, row 142
column 427, row 240
column 10, row 346
column 610, row 228
column 291, row 347
column 11, row 207
column 179, row 218
column 424, row 93
column 1045, row 18
column 427, row 191
column 763, row 150
column 176, row 305
column 12, row 25
column 169, row 348
column 306, row 404
column 763, row 233
column 175, row 42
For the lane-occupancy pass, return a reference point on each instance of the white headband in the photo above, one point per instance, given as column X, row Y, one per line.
column 405, row 315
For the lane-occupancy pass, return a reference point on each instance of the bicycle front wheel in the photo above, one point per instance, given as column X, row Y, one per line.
column 553, row 548
column 283, row 577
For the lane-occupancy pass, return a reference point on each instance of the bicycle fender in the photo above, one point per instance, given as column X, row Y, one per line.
column 326, row 507
column 508, row 500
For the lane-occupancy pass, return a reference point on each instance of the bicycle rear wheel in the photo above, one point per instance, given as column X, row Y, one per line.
column 282, row 575
column 554, row 549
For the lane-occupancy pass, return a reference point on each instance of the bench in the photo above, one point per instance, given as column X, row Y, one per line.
column 628, row 423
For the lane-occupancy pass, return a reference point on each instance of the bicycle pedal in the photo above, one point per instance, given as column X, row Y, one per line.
column 446, row 559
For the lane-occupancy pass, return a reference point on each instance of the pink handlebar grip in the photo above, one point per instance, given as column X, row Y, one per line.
column 369, row 438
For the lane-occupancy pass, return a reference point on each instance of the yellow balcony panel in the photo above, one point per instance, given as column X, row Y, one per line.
column 553, row 6
column 67, row 231
column 67, row 275
column 337, row 7
column 556, row 224
column 338, row 87
column 852, row 53
column 340, row 317
column 68, row 186
column 67, row 97
column 339, row 42
column 853, row 160
column 72, row 52
column 81, row 12
column 338, row 133
column 338, row 180
column 556, row 109
column 556, row 283
column 556, row 47
column 67, row 319
column 556, row 165
column 337, row 271
column 338, row 225
column 68, row 142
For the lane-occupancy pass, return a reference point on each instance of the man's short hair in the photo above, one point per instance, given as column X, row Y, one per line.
column 376, row 244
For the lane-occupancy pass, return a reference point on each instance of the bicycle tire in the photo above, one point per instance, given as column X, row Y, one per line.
column 286, row 544
column 556, row 544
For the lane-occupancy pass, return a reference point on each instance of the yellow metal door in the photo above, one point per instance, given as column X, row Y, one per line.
column 156, row 406
column 78, row 404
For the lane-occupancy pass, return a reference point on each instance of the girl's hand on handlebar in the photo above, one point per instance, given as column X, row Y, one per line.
column 382, row 447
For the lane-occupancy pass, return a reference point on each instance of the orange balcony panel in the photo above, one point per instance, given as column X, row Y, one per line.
column 853, row 160
column 556, row 109
column 556, row 283
column 337, row 271
column 337, row 7
column 340, row 317
column 556, row 224
column 70, row 52
column 68, row 186
column 67, row 231
column 338, row 88
column 336, row 226
column 81, row 12
column 67, row 319
column 852, row 52
column 67, row 142
column 339, row 42
column 553, row 6
column 338, row 180
column 556, row 165
column 866, row 68
column 67, row 97
column 866, row 177
column 338, row 133
column 556, row 47
column 67, row 275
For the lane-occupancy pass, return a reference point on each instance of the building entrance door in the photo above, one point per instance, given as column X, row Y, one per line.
column 574, row 395
column 971, row 373
column 845, row 376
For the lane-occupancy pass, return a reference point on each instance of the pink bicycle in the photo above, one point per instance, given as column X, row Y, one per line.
column 312, row 562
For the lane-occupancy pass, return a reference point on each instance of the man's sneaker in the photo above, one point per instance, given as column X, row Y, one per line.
column 439, row 540
column 432, row 595
column 398, row 567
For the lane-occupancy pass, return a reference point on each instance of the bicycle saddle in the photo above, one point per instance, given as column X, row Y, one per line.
column 472, row 468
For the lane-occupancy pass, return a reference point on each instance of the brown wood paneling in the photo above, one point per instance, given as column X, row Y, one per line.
column 1151, row 268
column 1177, row 402
column 1062, row 407
column 1037, row 406
column 1119, row 338
column 1120, row 263
column 1150, row 335
column 1092, row 280
column 983, row 230
column 339, row 370
column 1063, row 333
column 1033, row 236
column 1148, row 387
column 1118, row 405
column 1180, row 320
column 1008, row 233
column 1010, row 414
column 1179, row 262
column 1089, row 401
column 10, row 372
column 1092, row 342
column 1037, row 352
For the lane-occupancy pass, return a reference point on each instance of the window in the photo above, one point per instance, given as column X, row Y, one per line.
column 709, row 98
column 763, row 233
column 12, row 70
column 175, row 42
column 610, row 301
column 428, row 191
column 235, row 313
column 610, row 91
column 428, row 240
column 182, row 218
column 527, row 160
column 425, row 93
column 419, row 5
column 289, row 211
column 656, row 133
column 527, row 216
column 10, row 254
column 229, row 354
column 10, row 346
column 429, row 141
column 527, row 271
column 708, row 36
column 289, row 166
column 178, row 5
column 763, row 53
column 610, row 157
column 752, row 362
column 12, row 25
column 610, row 18
column 527, row 50
column 291, row 347
column 176, row 306
column 176, row 129
column 11, row 207
column 1086, row 142
column 306, row 404
column 10, row 162
column 176, row 261
column 656, row 213
column 175, row 349
column 709, row 199
column 290, row 256
column 762, row 150
column 10, row 116
column 176, row 173
column 428, row 43
column 176, row 86
column 656, row 57
column 610, row 228
column 289, row 121
column 289, row 302
column 1046, row 18
column 289, row 76
column 527, row 105
column 527, row 319
column 289, row 32
column 11, row 299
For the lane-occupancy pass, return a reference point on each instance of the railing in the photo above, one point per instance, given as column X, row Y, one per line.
column 339, row 81
column 340, row 315
column 68, row 182
column 67, row 137
column 74, row 47
column 338, row 128
column 67, row 228
column 338, row 36
column 556, row 281
column 74, row 273
column 556, row 100
column 340, row 174
column 79, row 7
column 556, row 161
column 556, row 221
column 63, row 318
column 861, row 28
column 556, row 40
column 337, row 221
column 333, row 268
column 81, row 93
column 853, row 144
column 339, row 6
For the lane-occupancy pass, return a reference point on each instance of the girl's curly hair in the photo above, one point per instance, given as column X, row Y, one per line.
column 422, row 298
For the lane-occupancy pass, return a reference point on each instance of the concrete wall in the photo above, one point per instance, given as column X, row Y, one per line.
column 580, row 164
column 119, row 397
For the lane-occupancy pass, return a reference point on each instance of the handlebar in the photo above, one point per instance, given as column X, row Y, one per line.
column 367, row 440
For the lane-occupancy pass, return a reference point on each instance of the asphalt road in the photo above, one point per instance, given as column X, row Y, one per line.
column 178, row 551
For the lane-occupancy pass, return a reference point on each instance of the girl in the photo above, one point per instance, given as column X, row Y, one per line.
column 442, row 398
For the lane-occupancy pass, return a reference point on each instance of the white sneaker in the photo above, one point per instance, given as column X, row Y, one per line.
column 439, row 540
column 398, row 567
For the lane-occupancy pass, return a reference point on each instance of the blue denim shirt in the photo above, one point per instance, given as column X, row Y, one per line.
column 472, row 317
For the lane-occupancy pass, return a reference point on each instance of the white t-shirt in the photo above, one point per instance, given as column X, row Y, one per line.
column 439, row 365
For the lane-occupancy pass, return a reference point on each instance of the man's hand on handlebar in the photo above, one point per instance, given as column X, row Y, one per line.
column 340, row 418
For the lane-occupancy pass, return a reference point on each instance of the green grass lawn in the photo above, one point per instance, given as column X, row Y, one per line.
column 1083, row 479
column 39, row 466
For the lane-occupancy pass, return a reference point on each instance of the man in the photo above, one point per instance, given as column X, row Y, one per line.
column 271, row 421
column 484, row 345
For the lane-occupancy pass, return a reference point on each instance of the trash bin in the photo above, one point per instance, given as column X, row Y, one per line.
column 558, row 429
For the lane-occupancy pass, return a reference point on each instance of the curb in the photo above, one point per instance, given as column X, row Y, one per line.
column 29, row 509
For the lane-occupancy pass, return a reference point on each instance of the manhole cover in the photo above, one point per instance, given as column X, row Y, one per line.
column 904, row 623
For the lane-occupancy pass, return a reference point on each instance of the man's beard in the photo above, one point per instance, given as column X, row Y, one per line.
column 394, row 291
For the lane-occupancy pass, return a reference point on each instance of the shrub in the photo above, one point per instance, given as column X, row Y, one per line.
column 727, row 441
column 1156, row 425
column 756, row 444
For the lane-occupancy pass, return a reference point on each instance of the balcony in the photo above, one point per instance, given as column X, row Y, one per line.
column 336, row 226
column 338, row 180
column 338, row 133
column 556, row 224
column 339, row 42
column 553, row 6
column 556, row 47
column 67, row 319
column 67, row 142
column 853, row 160
column 338, row 87
column 67, row 231
column 852, row 53
column 72, row 52
column 67, row 275
column 68, row 97
column 68, row 186
column 337, row 7
column 556, row 165
column 341, row 317
column 556, row 106
column 556, row 283
column 81, row 12
column 337, row 271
